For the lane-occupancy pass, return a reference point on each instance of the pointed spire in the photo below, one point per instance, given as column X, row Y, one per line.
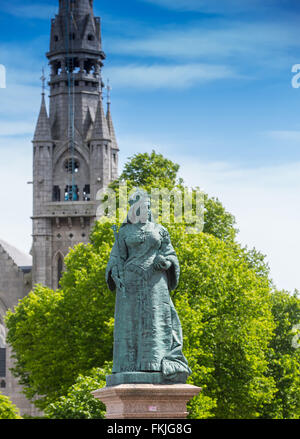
column 100, row 130
column 110, row 124
column 111, row 128
column 43, row 130
column 77, row 6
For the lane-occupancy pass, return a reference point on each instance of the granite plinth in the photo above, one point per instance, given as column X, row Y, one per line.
column 146, row 401
column 143, row 378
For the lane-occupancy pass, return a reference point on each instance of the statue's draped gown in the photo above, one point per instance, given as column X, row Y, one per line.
column 147, row 334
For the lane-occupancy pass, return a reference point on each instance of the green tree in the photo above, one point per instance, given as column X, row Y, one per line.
column 153, row 170
column 225, row 309
column 7, row 409
column 224, row 306
column 79, row 403
column 224, row 301
column 284, row 358
column 144, row 170
column 57, row 335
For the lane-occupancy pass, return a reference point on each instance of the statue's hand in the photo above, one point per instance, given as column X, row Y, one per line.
column 116, row 278
column 161, row 263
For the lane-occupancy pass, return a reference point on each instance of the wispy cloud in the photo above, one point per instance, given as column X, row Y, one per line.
column 257, row 42
column 34, row 10
column 265, row 201
column 289, row 136
column 210, row 6
column 167, row 76
column 14, row 128
column 20, row 100
column 15, row 172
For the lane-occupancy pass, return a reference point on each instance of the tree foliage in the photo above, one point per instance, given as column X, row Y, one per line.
column 79, row 403
column 223, row 304
column 237, row 332
column 144, row 170
column 7, row 409
column 155, row 171
column 57, row 335
column 284, row 358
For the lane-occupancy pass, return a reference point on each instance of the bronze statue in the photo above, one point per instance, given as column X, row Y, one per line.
column 144, row 268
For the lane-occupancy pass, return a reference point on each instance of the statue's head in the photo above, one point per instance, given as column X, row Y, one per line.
column 140, row 207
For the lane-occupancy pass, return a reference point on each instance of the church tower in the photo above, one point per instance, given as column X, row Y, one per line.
column 75, row 152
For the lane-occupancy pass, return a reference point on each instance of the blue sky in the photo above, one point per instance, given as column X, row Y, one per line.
column 205, row 82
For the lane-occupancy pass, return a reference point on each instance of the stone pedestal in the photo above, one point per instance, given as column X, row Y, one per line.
column 146, row 401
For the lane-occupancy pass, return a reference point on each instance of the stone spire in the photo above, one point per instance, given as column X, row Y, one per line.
column 111, row 128
column 100, row 130
column 78, row 7
column 43, row 130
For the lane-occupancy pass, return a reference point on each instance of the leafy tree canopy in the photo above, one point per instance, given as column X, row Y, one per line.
column 79, row 402
column 284, row 357
column 7, row 409
column 153, row 170
column 237, row 332
column 223, row 303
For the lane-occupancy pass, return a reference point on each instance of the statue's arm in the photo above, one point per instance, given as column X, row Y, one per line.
column 115, row 267
column 167, row 259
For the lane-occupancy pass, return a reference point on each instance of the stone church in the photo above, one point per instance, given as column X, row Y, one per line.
column 75, row 153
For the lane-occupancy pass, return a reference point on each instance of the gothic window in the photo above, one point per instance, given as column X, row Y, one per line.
column 2, row 362
column 60, row 265
column 71, row 193
column 89, row 65
column 87, row 193
column 91, row 37
column 56, row 38
column 2, row 384
column 71, row 165
column 56, row 193
column 2, row 351
column 56, row 68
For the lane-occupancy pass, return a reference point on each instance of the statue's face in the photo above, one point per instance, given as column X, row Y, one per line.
column 140, row 210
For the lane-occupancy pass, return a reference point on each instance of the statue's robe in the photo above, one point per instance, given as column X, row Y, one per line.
column 147, row 333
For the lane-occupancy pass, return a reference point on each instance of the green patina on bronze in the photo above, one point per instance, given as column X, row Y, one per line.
column 143, row 268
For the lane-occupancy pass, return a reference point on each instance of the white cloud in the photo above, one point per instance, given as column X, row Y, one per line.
column 210, row 5
column 34, row 10
column 290, row 136
column 14, row 128
column 167, row 76
column 16, row 194
column 20, row 100
column 266, row 204
column 264, row 43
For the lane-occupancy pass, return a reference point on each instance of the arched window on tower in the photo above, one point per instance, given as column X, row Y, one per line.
column 87, row 193
column 72, row 193
column 2, row 354
column 56, row 193
column 60, row 267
